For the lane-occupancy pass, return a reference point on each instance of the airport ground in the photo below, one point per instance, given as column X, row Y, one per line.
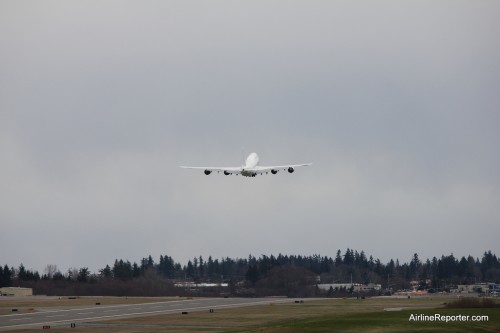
column 276, row 315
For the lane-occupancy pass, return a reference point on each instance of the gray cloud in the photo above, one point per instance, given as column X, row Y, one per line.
column 396, row 104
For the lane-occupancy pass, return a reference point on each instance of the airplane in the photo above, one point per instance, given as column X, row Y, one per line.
column 250, row 169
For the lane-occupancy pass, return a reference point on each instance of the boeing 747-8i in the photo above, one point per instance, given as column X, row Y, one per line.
column 250, row 169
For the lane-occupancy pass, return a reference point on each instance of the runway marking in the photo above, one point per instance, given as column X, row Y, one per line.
column 140, row 314
column 21, row 319
column 80, row 313
column 94, row 307
column 55, row 316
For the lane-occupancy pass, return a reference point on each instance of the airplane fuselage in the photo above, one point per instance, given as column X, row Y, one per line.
column 250, row 163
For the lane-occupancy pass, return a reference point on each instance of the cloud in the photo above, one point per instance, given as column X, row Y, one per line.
column 395, row 104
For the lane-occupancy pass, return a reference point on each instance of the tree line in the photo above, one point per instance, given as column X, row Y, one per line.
column 265, row 275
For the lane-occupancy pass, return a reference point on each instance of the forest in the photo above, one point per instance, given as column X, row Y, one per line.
column 267, row 275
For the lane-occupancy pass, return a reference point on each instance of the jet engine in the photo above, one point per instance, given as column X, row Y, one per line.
column 290, row 169
column 274, row 172
column 207, row 172
column 226, row 173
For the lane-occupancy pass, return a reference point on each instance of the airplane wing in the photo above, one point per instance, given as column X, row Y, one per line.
column 209, row 170
column 275, row 168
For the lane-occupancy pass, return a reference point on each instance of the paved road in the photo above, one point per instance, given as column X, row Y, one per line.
column 66, row 316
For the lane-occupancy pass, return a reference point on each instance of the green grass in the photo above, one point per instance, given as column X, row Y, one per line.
column 393, row 321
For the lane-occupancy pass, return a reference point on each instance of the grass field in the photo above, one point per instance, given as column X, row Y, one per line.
column 331, row 315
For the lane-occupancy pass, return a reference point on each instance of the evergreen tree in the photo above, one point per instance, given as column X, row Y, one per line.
column 201, row 269
column 83, row 275
column 21, row 273
column 136, row 270
column 414, row 267
column 5, row 276
column 106, row 272
column 390, row 268
column 122, row 270
column 210, row 268
column 252, row 274
column 338, row 258
column 190, row 270
column 348, row 257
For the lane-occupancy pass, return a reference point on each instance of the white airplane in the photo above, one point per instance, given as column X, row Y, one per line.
column 250, row 169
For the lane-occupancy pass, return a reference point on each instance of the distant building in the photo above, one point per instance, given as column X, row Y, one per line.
column 335, row 286
column 347, row 286
column 16, row 291
column 367, row 287
column 494, row 287
column 478, row 288
column 200, row 285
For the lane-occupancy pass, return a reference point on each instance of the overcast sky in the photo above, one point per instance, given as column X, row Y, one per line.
column 396, row 103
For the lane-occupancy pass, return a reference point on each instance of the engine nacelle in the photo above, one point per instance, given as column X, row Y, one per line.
column 290, row 169
column 226, row 173
column 207, row 172
column 274, row 172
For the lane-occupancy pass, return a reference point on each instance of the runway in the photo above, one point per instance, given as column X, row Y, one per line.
column 64, row 317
